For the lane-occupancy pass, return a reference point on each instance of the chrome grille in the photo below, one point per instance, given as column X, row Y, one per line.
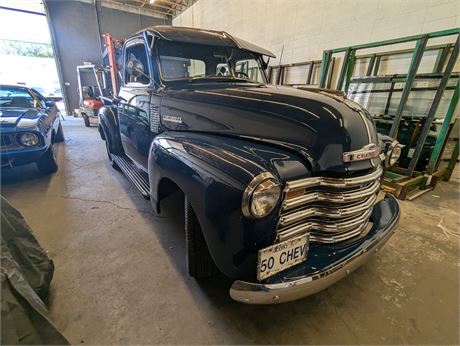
column 330, row 209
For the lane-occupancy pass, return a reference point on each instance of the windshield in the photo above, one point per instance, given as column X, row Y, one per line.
column 179, row 61
column 15, row 97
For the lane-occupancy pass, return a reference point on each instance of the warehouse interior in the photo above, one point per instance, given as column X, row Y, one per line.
column 103, row 241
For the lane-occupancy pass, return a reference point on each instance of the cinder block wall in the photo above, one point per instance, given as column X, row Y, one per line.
column 307, row 27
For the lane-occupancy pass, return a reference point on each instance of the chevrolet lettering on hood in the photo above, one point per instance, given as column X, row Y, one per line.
column 365, row 153
column 280, row 184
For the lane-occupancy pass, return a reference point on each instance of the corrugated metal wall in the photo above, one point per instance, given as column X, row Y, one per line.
column 77, row 36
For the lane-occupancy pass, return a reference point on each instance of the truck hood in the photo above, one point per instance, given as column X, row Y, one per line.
column 320, row 126
column 11, row 116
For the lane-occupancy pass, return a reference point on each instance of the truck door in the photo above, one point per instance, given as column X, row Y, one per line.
column 135, row 113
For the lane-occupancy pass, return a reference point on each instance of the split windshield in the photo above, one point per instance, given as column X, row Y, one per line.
column 185, row 61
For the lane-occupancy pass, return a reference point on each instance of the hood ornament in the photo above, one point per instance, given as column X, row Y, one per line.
column 367, row 152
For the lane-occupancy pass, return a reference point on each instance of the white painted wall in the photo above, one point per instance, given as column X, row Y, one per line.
column 307, row 27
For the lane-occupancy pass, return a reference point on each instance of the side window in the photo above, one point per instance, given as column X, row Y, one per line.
column 133, row 111
column 249, row 69
column 136, row 65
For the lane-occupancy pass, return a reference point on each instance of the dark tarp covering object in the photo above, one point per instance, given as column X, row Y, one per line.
column 26, row 273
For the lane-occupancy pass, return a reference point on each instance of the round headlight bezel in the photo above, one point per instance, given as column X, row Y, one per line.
column 27, row 144
column 251, row 190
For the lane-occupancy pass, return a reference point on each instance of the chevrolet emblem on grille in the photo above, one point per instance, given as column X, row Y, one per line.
column 365, row 153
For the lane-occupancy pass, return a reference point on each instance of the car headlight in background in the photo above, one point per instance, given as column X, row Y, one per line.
column 261, row 196
column 28, row 139
column 393, row 153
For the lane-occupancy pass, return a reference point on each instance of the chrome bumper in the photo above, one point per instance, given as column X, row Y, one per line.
column 388, row 213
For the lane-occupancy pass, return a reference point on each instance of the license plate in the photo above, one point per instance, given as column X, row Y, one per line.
column 281, row 256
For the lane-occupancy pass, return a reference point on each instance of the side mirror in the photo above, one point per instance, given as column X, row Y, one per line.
column 49, row 103
column 135, row 68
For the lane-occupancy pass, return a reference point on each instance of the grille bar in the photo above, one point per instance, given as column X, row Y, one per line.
column 327, row 212
column 350, row 202
column 327, row 226
column 330, row 196
column 333, row 182
column 331, row 239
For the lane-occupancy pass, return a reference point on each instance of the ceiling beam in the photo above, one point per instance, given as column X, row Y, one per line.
column 132, row 7
column 147, row 6
column 172, row 3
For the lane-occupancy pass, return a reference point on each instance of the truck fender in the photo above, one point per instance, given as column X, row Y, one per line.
column 109, row 128
column 213, row 174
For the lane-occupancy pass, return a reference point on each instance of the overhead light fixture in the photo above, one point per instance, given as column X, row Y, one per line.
column 152, row 1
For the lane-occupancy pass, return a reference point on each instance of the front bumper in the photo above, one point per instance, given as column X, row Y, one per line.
column 336, row 263
column 21, row 156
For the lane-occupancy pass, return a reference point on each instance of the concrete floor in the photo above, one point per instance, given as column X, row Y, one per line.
column 121, row 279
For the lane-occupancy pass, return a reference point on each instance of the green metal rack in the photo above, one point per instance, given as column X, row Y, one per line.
column 405, row 180
column 277, row 74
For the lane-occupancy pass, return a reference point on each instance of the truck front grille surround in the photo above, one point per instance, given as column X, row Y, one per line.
column 331, row 210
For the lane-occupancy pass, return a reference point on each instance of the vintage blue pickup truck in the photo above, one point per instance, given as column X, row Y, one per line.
column 281, row 185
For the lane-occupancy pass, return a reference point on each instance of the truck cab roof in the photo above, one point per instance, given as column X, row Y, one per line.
column 205, row 37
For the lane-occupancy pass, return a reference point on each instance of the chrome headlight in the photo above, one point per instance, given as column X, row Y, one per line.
column 28, row 139
column 261, row 196
column 393, row 153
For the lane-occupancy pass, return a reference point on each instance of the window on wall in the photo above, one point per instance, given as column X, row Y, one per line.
column 136, row 65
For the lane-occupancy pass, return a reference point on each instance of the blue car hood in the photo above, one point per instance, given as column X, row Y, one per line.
column 11, row 116
column 320, row 126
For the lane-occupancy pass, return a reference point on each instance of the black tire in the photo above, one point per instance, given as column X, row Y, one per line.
column 85, row 119
column 59, row 136
column 199, row 261
column 109, row 154
column 48, row 163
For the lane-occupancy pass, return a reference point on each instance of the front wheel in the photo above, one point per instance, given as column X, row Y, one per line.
column 109, row 154
column 48, row 163
column 199, row 261
column 59, row 136
column 86, row 120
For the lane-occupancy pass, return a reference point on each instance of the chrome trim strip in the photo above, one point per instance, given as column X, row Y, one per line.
column 338, row 197
column 288, row 219
column 335, row 182
column 259, row 293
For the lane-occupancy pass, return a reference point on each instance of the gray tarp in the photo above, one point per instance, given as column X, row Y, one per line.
column 26, row 273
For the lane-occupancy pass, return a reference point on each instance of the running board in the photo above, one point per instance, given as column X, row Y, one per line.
column 139, row 178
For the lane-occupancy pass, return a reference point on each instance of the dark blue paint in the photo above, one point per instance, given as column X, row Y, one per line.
column 230, row 132
column 47, row 123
